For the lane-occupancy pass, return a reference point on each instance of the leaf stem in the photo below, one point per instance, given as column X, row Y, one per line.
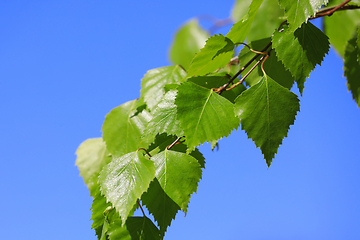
column 138, row 202
column 177, row 141
column 145, row 151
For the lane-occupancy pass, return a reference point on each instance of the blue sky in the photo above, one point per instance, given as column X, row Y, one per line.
column 65, row 64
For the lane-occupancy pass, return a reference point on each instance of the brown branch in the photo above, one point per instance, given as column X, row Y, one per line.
column 221, row 89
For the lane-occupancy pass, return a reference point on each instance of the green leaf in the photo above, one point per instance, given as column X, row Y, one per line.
column 98, row 207
column 299, row 11
column 276, row 70
column 240, row 8
column 125, row 179
column 142, row 228
column 239, row 31
column 154, row 82
column 216, row 82
column 301, row 50
column 117, row 231
column 92, row 156
column 188, row 41
column 217, row 52
column 203, row 114
column 165, row 118
column 340, row 27
column 352, row 66
column 123, row 128
column 178, row 175
column 160, row 205
column 267, row 19
column 266, row 111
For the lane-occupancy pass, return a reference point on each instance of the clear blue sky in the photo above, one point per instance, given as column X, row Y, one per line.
column 65, row 64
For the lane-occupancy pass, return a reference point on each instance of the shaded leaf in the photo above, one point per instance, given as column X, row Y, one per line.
column 178, row 175
column 240, row 30
column 125, row 179
column 299, row 11
column 216, row 53
column 92, row 156
column 266, row 111
column 352, row 66
column 160, row 205
column 203, row 114
column 188, row 41
column 123, row 128
column 165, row 118
column 154, row 82
column 142, row 228
column 301, row 50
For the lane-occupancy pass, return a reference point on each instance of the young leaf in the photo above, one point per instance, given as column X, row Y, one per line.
column 216, row 54
column 299, row 11
column 165, row 118
column 340, row 27
column 203, row 114
column 154, row 82
column 352, row 66
column 160, row 205
column 266, row 111
column 239, row 31
column 125, row 179
column 301, row 50
column 188, row 41
column 123, row 128
column 92, row 156
column 178, row 175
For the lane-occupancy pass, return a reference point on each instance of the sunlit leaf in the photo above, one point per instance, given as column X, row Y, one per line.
column 178, row 174
column 92, row 156
column 266, row 111
column 299, row 11
column 154, row 82
column 165, row 118
column 203, row 114
column 188, row 41
column 216, row 53
column 125, row 179
column 239, row 31
column 123, row 128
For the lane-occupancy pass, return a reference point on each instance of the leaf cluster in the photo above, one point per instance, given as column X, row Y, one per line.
column 148, row 156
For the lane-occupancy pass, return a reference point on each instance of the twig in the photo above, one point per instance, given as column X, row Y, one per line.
column 221, row 89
